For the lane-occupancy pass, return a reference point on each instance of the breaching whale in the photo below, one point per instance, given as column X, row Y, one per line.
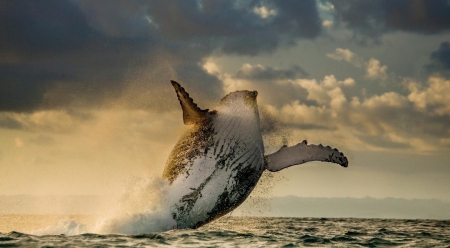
column 216, row 164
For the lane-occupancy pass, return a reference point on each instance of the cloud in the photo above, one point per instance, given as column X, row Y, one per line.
column 341, row 54
column 374, row 69
column 374, row 18
column 433, row 98
column 274, row 85
column 264, row 12
column 440, row 60
column 414, row 122
column 326, row 92
column 385, row 121
column 82, row 53
column 7, row 122
column 301, row 115
column 264, row 73
column 57, row 48
column 381, row 122
column 54, row 121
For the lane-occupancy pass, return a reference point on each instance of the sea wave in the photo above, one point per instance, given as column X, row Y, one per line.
column 264, row 232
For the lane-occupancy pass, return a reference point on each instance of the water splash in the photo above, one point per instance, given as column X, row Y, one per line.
column 142, row 208
column 66, row 226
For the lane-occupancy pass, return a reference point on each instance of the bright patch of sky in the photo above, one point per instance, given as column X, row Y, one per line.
column 264, row 12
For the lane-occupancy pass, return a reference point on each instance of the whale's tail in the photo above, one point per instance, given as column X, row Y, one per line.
column 302, row 153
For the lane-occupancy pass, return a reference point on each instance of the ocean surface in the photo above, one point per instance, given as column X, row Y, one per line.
column 243, row 232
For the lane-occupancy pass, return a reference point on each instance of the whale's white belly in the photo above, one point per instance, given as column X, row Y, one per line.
column 223, row 176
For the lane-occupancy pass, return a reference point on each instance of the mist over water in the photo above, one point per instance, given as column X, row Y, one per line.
column 143, row 208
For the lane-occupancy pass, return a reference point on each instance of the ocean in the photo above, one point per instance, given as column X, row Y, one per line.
column 230, row 231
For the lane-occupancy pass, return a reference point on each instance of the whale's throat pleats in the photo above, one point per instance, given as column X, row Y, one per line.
column 219, row 172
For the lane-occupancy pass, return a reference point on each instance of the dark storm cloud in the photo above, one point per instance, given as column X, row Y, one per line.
column 50, row 44
column 9, row 123
column 261, row 73
column 234, row 26
column 17, row 92
column 56, row 53
column 375, row 17
column 440, row 60
column 49, row 26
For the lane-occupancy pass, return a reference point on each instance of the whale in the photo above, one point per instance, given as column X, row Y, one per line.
column 218, row 161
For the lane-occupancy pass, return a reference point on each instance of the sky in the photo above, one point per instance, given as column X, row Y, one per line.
column 86, row 104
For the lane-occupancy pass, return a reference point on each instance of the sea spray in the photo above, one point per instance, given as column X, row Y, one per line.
column 65, row 226
column 143, row 207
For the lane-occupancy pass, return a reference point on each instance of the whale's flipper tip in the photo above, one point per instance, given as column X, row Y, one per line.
column 191, row 112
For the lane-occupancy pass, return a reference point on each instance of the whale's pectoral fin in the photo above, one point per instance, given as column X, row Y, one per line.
column 191, row 112
column 302, row 153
